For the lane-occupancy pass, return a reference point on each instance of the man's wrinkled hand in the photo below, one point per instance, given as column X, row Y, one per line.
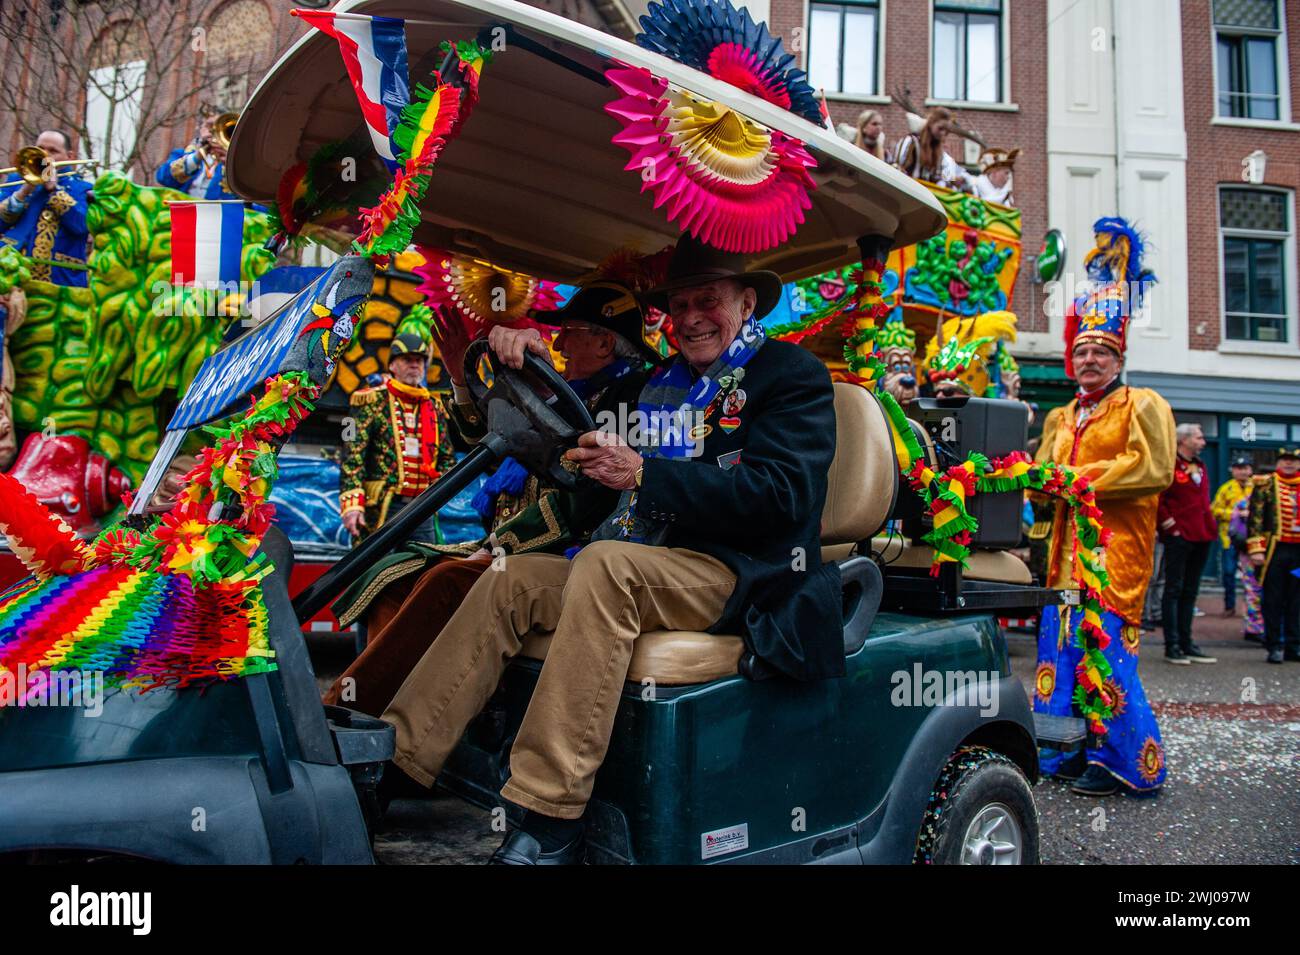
column 606, row 458
column 510, row 345
column 353, row 521
column 453, row 340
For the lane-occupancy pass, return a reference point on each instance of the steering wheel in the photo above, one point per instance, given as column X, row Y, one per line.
column 521, row 423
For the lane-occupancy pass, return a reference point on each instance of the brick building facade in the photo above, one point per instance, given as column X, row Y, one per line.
column 1216, row 146
column 1018, row 117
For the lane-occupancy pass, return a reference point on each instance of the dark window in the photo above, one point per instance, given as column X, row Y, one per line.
column 967, row 50
column 1256, row 228
column 842, row 43
column 1246, row 42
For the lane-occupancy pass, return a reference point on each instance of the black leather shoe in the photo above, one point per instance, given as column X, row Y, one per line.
column 1275, row 656
column 1174, row 655
column 1194, row 654
column 522, row 849
column 1095, row 782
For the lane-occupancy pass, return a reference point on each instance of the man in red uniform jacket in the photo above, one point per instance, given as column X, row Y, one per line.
column 1187, row 528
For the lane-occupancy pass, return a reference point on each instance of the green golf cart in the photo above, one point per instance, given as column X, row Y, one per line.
column 926, row 750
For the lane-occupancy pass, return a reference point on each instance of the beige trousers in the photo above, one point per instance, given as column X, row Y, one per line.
column 597, row 604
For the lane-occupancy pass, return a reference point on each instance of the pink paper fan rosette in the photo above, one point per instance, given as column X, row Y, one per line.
column 723, row 178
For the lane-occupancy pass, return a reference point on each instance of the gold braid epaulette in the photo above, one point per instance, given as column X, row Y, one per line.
column 365, row 396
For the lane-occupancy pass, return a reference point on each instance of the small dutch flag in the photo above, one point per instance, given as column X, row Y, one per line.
column 207, row 242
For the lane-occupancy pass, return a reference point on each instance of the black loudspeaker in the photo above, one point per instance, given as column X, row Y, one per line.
column 992, row 426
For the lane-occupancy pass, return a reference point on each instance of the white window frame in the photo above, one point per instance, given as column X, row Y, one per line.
column 1004, row 103
column 1247, row 346
column 113, row 143
column 1283, row 120
column 878, row 80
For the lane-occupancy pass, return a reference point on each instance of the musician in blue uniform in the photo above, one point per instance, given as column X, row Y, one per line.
column 198, row 169
column 47, row 222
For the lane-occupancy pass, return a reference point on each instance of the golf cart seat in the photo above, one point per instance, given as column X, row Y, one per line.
column 860, row 491
column 995, row 565
column 898, row 553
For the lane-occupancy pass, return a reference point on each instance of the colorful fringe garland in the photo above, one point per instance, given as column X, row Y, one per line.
column 946, row 496
column 860, row 313
column 431, row 120
column 175, row 604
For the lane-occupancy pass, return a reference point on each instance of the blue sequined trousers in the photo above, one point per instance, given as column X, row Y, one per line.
column 1131, row 750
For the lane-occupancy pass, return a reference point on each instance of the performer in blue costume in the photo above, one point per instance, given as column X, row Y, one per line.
column 193, row 173
column 48, row 222
column 1122, row 440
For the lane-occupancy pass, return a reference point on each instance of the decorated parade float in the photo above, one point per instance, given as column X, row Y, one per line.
column 525, row 151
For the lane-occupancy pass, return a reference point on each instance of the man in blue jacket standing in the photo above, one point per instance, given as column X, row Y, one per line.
column 48, row 222
column 198, row 169
column 717, row 528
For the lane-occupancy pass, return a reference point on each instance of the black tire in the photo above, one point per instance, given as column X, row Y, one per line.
column 978, row 781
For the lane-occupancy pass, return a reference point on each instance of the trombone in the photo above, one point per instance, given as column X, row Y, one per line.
column 30, row 161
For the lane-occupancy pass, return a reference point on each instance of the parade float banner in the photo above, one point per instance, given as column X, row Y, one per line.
column 231, row 374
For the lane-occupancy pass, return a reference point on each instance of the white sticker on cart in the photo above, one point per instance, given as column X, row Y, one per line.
column 719, row 842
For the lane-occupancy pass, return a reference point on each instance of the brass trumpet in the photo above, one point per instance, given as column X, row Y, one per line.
column 223, row 131
column 31, row 160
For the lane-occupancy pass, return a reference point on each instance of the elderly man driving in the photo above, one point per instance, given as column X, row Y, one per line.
column 717, row 528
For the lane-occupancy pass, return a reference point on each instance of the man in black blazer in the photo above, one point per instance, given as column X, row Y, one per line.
column 718, row 529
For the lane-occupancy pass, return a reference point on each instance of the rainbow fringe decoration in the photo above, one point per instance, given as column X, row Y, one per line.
column 175, row 604
column 946, row 496
column 431, row 120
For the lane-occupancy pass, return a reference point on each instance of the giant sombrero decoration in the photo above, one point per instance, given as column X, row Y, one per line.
column 724, row 178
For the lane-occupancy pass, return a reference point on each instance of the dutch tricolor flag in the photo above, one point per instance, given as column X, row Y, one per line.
column 374, row 52
column 207, row 242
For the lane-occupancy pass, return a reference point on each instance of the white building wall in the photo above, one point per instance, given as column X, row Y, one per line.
column 1152, row 164
column 1116, row 145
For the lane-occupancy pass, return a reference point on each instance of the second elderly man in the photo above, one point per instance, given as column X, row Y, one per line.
column 717, row 528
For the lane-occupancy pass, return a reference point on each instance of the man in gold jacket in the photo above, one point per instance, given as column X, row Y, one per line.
column 1122, row 440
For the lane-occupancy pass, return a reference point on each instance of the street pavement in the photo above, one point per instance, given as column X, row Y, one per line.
column 1232, row 740
column 1231, row 733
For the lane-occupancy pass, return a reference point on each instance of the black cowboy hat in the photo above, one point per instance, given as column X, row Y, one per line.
column 608, row 305
column 408, row 344
column 1292, row 452
column 694, row 263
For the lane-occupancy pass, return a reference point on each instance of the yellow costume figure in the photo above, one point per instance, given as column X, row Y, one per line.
column 1122, row 440
column 1125, row 447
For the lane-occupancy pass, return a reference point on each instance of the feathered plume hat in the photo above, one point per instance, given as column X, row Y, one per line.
column 1118, row 282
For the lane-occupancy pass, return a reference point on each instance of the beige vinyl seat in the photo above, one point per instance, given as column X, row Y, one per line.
column 898, row 553
column 861, row 486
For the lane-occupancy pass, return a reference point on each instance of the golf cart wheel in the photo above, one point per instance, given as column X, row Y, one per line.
column 981, row 812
